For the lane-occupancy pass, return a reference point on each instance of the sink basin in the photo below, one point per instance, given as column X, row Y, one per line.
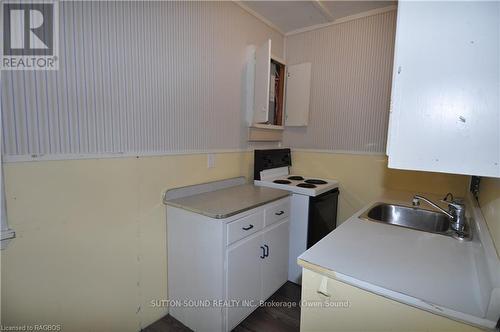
column 409, row 217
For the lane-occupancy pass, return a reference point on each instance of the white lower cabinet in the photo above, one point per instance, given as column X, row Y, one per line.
column 328, row 304
column 275, row 265
column 219, row 270
column 257, row 267
column 244, row 269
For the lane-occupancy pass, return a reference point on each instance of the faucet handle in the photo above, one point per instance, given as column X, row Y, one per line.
column 458, row 204
column 445, row 199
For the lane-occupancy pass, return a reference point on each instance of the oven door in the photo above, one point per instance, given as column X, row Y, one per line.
column 322, row 216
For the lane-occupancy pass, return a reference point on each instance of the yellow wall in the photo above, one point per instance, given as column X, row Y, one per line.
column 364, row 177
column 91, row 238
column 489, row 200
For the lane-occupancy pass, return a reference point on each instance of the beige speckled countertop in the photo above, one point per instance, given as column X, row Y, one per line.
column 227, row 202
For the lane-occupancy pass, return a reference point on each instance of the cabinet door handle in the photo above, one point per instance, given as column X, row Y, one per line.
column 263, row 252
column 279, row 213
column 247, row 228
column 266, row 253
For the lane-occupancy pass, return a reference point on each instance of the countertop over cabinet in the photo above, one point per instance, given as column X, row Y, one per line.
column 227, row 202
column 227, row 248
column 430, row 271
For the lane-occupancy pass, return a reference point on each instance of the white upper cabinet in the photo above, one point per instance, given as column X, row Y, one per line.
column 445, row 107
column 298, row 90
column 276, row 94
column 261, row 85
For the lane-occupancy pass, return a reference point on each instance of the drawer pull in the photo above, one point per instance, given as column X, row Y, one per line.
column 263, row 252
column 247, row 228
column 279, row 213
column 266, row 253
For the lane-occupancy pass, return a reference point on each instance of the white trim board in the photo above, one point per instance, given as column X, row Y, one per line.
column 59, row 157
column 368, row 13
column 56, row 157
column 324, row 11
column 316, row 26
column 258, row 16
column 362, row 153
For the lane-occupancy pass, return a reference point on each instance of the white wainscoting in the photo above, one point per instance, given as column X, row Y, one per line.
column 135, row 78
column 350, row 84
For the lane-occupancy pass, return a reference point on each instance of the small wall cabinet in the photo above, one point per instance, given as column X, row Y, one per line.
column 445, row 106
column 277, row 94
column 220, row 269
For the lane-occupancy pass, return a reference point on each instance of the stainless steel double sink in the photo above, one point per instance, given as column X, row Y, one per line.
column 409, row 217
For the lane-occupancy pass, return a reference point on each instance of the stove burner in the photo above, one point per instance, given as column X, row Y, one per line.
column 282, row 181
column 306, row 185
column 315, row 181
column 296, row 177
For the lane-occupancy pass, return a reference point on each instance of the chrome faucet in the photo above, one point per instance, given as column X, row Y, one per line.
column 456, row 210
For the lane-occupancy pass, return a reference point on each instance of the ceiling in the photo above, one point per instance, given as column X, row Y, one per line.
column 288, row 16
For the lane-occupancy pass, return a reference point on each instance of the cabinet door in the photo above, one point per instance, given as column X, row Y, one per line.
column 446, row 98
column 275, row 265
column 298, row 90
column 243, row 278
column 261, row 85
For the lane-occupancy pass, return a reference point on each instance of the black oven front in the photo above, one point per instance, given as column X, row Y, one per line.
column 322, row 216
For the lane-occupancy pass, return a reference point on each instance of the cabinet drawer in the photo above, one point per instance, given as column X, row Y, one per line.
column 277, row 212
column 243, row 227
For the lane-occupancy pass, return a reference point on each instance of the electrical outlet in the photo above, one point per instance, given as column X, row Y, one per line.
column 210, row 160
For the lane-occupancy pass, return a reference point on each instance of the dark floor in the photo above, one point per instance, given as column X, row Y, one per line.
column 263, row 319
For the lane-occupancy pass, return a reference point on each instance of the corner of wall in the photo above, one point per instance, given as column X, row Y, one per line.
column 489, row 202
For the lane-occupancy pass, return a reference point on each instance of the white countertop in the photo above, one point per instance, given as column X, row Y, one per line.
column 433, row 272
column 227, row 202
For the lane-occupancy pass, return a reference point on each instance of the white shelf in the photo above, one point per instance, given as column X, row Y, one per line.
column 267, row 126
